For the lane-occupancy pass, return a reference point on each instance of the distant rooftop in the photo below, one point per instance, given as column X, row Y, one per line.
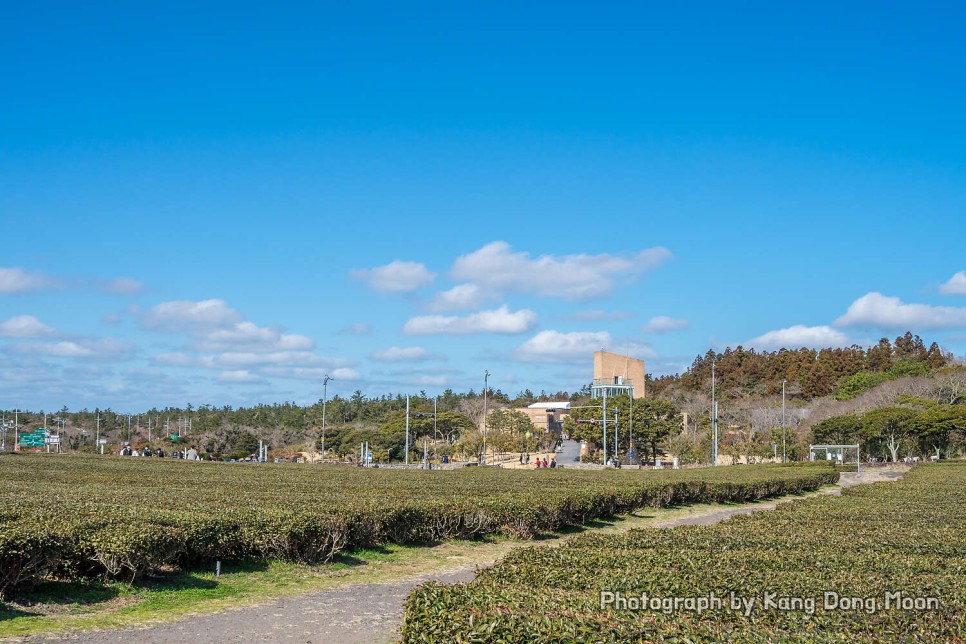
column 563, row 404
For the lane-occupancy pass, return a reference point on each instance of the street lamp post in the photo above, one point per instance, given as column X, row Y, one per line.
column 631, row 452
column 486, row 377
column 604, row 423
column 407, row 429
column 325, row 385
column 616, row 452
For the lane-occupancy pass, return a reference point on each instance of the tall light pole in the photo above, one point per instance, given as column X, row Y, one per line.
column 783, row 421
column 604, row 423
column 486, row 377
column 631, row 452
column 325, row 385
column 407, row 429
column 616, row 451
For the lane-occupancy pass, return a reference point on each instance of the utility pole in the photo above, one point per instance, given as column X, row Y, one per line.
column 486, row 376
column 325, row 385
column 714, row 421
column 784, row 459
column 407, row 429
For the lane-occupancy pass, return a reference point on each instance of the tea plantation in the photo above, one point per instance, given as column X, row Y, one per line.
column 74, row 517
column 883, row 562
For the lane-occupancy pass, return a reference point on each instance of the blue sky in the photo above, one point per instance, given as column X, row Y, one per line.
column 222, row 202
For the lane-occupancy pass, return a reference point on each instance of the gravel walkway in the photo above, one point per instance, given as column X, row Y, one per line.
column 359, row 613
column 368, row 613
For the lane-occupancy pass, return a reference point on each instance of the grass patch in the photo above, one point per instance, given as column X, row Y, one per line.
column 56, row 607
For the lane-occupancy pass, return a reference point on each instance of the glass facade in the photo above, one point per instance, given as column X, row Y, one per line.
column 616, row 386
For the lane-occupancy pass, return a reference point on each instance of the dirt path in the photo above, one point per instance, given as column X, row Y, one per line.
column 371, row 612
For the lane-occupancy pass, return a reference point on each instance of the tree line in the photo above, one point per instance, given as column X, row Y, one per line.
column 813, row 373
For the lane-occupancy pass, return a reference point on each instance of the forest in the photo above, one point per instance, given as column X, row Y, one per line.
column 828, row 396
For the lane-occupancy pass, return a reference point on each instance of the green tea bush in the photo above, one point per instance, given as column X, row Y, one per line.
column 73, row 516
column 28, row 551
column 905, row 541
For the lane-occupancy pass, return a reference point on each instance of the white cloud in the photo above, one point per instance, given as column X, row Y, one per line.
column 663, row 324
column 395, row 277
column 123, row 286
column 246, row 335
column 877, row 310
column 278, row 363
column 573, row 277
column 252, row 358
column 345, row 373
column 462, row 297
column 92, row 349
column 597, row 314
column 956, row 285
column 554, row 346
column 359, row 328
column 314, row 373
column 217, row 328
column 190, row 317
column 795, row 337
column 25, row 326
column 179, row 359
column 425, row 380
column 17, row 280
column 238, row 375
column 500, row 320
column 400, row 354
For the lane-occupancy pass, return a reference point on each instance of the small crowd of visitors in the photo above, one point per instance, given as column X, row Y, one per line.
column 190, row 454
column 525, row 460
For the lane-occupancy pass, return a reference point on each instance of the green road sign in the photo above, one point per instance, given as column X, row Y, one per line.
column 36, row 438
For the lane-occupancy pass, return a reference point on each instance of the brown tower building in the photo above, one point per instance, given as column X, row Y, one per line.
column 616, row 375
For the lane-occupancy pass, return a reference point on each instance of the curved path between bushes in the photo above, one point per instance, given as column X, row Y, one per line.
column 371, row 612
